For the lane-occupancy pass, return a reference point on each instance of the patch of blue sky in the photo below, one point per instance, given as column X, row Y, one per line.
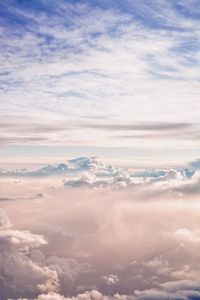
column 191, row 62
column 160, row 71
column 19, row 18
column 187, row 52
column 10, row 84
column 189, row 9
column 189, row 46
column 32, row 7
column 14, row 20
column 150, row 13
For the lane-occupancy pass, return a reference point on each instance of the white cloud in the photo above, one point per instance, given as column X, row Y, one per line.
column 111, row 279
column 183, row 290
column 112, row 229
column 89, row 295
column 25, row 269
column 67, row 269
column 108, row 59
column 187, row 235
column 90, row 172
column 19, row 273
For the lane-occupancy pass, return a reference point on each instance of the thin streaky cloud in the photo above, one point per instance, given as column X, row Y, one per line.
column 128, row 63
column 140, row 126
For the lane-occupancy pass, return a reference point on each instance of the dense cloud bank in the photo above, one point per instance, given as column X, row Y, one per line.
column 100, row 246
column 178, row 290
column 104, row 234
column 77, row 165
column 19, row 274
column 91, row 172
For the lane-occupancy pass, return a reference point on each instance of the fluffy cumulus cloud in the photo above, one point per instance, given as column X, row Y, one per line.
column 111, row 279
column 77, row 165
column 185, row 289
column 89, row 295
column 178, row 290
column 84, row 172
column 79, row 172
column 25, row 270
column 19, row 274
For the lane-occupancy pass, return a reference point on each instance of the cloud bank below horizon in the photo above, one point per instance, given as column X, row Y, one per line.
column 90, row 172
column 85, row 243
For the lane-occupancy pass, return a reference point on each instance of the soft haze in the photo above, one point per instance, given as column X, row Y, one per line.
column 86, row 230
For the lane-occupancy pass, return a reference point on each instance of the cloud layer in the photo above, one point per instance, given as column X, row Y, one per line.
column 90, row 172
column 138, row 242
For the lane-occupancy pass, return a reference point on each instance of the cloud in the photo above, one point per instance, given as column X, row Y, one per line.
column 121, row 243
column 90, row 172
column 186, row 235
column 76, row 59
column 67, row 269
column 183, row 290
column 90, row 295
column 106, row 73
column 19, row 274
column 111, row 279
column 48, row 131
column 140, row 126
column 26, row 270
column 73, row 166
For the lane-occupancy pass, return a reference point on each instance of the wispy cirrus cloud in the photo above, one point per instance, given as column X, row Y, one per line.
column 31, row 130
column 125, row 62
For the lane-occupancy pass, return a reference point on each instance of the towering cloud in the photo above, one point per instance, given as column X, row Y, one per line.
column 19, row 275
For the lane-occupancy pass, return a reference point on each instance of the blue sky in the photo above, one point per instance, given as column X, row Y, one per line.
column 100, row 77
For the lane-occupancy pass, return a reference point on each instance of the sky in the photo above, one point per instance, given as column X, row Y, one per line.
column 114, row 79
column 99, row 149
